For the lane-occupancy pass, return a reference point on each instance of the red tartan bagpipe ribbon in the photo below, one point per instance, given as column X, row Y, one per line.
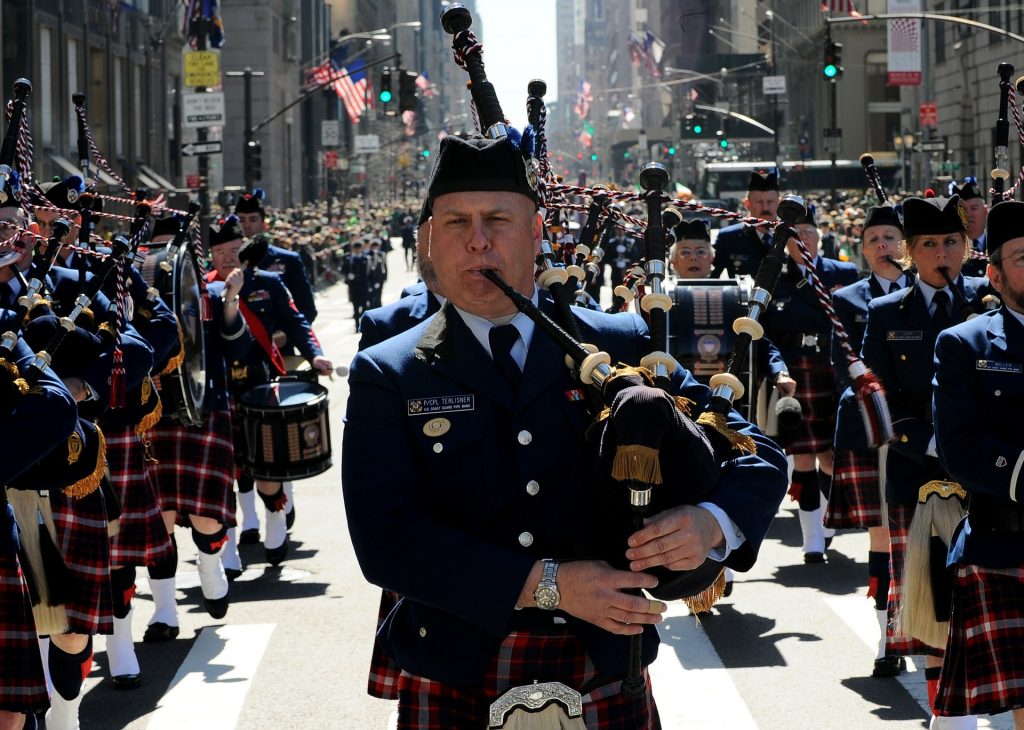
column 259, row 332
column 874, row 409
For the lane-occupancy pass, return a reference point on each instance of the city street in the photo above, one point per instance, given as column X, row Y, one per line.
column 791, row 648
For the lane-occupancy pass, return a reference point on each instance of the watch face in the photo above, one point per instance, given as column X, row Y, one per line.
column 547, row 597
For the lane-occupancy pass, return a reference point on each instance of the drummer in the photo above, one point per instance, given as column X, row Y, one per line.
column 267, row 307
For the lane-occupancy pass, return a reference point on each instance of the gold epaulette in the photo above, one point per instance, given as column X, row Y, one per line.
column 90, row 483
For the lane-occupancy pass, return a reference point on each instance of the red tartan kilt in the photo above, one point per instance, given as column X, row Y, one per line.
column 899, row 532
column 85, row 544
column 424, row 704
column 856, row 496
column 384, row 673
column 815, row 389
column 194, row 472
column 142, row 537
column 22, row 685
column 983, row 669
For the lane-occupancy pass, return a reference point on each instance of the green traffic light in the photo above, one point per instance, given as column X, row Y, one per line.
column 593, row 157
column 625, row 155
column 385, row 96
column 724, row 144
column 830, row 71
column 671, row 150
column 698, row 129
column 426, row 153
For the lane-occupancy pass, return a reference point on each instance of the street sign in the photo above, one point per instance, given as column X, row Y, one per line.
column 192, row 149
column 331, row 159
column 929, row 114
column 202, row 68
column 330, row 133
column 832, row 132
column 832, row 139
column 193, row 182
column 773, row 85
column 938, row 146
column 367, row 143
column 204, row 110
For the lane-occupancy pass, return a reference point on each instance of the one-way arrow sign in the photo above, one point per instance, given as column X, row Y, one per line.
column 191, row 149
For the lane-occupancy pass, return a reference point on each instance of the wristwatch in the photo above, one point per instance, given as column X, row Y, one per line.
column 546, row 594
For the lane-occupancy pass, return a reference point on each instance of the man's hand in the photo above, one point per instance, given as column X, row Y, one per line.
column 678, row 539
column 322, row 365
column 786, row 386
column 233, row 283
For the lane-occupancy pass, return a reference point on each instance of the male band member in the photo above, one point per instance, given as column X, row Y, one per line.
column 799, row 327
column 355, row 268
column 977, row 213
column 267, row 307
column 856, row 498
column 491, row 486
column 739, row 248
column 377, row 268
column 978, row 390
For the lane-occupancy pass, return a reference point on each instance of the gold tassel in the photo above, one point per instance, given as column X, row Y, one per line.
column 703, row 601
column 716, row 421
column 151, row 418
column 178, row 359
column 89, row 484
column 684, row 404
column 637, row 463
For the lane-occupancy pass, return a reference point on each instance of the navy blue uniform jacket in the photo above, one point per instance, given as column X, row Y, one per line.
column 738, row 250
column 288, row 264
column 438, row 519
column 978, row 397
column 376, row 325
column 899, row 346
column 223, row 344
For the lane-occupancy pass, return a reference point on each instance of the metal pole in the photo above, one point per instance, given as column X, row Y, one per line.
column 834, row 123
column 247, row 103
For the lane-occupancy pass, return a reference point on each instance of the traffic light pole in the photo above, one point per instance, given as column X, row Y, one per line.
column 834, row 123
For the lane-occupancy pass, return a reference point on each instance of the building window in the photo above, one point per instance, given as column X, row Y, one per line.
column 996, row 19
column 118, row 107
column 940, row 37
column 46, row 84
column 73, row 87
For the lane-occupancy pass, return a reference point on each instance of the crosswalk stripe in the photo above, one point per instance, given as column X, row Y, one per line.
column 209, row 689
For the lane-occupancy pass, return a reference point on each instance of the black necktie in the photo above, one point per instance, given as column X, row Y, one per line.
column 941, row 314
column 894, row 286
column 502, row 340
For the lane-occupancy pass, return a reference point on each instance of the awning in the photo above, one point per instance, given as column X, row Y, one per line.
column 162, row 182
column 70, row 169
column 147, row 181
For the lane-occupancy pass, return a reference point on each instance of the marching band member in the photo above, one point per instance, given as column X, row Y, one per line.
column 977, row 213
column 478, row 554
column 739, row 248
column 978, row 382
column 691, row 255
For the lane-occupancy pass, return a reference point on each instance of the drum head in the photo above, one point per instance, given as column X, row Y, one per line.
column 283, row 394
column 187, row 306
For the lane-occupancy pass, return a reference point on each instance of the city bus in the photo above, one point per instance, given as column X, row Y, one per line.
column 725, row 180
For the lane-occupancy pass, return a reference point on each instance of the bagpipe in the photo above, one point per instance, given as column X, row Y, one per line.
column 651, row 451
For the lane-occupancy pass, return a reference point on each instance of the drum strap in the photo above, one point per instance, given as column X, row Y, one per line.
column 262, row 337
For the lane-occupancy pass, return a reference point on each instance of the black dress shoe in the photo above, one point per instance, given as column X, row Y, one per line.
column 889, row 666
column 289, row 518
column 232, row 573
column 159, row 631
column 249, row 537
column 216, row 607
column 276, row 556
column 814, row 557
column 127, row 681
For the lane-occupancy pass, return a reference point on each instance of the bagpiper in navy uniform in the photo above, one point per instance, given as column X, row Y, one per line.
column 523, row 447
column 898, row 346
column 739, row 248
column 856, row 496
column 193, row 468
column 978, row 392
column 267, row 307
column 977, row 213
column 355, row 269
column 377, row 269
column 620, row 252
column 799, row 327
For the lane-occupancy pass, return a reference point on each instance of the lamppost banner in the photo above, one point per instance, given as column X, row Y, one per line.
column 904, row 43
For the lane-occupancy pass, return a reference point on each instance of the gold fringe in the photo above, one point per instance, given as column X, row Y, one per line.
column 708, row 597
column 716, row 421
column 178, row 359
column 637, row 463
column 10, row 367
column 89, row 484
column 39, row 303
column 684, row 404
column 22, row 385
column 151, row 418
column 86, row 312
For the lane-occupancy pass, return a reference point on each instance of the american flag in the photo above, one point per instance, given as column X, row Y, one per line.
column 424, row 85
column 319, row 76
column 353, row 88
column 839, row 7
column 583, row 99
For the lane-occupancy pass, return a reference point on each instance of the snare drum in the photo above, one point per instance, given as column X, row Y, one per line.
column 286, row 430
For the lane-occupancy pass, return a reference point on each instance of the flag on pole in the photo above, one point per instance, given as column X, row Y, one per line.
column 351, row 84
column 583, row 99
column 840, row 7
column 646, row 49
column 319, row 76
column 424, row 85
column 586, row 136
column 195, row 10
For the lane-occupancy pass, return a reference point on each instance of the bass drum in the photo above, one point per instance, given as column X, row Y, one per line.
column 701, row 337
column 183, row 387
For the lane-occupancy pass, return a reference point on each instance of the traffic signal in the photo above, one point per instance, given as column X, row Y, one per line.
column 407, row 91
column 593, row 157
column 832, row 65
column 723, row 143
column 385, row 95
column 694, row 126
column 253, row 160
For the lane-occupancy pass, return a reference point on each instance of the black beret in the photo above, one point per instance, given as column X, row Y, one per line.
column 761, row 180
column 166, row 226
column 695, row 230
column 810, row 216
column 251, row 202
column 1005, row 222
column 934, row 216
column 66, row 193
column 968, row 191
column 226, row 230
column 883, row 215
column 479, row 164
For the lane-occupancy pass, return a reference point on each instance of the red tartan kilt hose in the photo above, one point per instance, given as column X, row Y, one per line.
column 22, row 684
column 899, row 533
column 856, row 497
column 424, row 704
column 84, row 541
column 194, row 471
column 815, row 389
column 983, row 668
column 142, row 537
